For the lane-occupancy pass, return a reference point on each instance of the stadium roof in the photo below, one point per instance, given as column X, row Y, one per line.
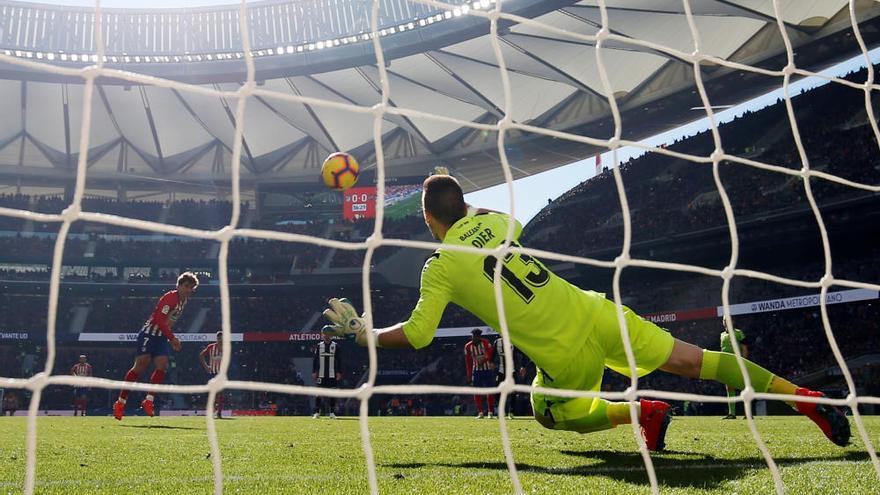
column 437, row 62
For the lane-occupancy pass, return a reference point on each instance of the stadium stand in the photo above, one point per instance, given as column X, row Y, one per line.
column 676, row 215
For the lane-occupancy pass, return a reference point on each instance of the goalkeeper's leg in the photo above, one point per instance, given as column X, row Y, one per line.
column 589, row 414
column 693, row 362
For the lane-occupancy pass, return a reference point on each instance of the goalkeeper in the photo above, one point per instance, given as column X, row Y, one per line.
column 570, row 334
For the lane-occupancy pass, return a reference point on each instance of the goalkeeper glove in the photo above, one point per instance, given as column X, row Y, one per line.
column 345, row 321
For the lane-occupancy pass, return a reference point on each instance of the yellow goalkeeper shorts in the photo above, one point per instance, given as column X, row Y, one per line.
column 651, row 347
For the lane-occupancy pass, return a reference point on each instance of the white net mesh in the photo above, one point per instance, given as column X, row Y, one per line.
column 494, row 14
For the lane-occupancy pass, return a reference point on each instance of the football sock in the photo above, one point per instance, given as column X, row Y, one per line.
column 731, row 406
column 491, row 399
column 722, row 367
column 782, row 386
column 586, row 414
column 157, row 377
column 131, row 376
column 479, row 402
column 618, row 413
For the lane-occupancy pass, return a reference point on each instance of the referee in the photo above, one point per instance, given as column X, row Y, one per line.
column 325, row 371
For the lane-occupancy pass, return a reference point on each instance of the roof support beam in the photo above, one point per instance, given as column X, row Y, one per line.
column 484, row 101
column 610, row 45
column 249, row 161
column 65, row 103
column 492, row 65
column 756, row 14
column 405, row 122
column 153, row 131
column 313, row 116
column 115, row 123
column 196, row 117
column 568, row 78
column 395, row 119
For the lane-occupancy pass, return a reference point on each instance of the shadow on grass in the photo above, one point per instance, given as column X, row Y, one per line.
column 161, row 427
column 698, row 471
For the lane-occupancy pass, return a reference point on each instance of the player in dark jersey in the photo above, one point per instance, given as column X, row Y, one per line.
column 154, row 340
column 326, row 371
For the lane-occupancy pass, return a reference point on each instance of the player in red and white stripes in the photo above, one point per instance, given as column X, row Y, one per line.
column 479, row 368
column 156, row 340
column 81, row 394
column 210, row 358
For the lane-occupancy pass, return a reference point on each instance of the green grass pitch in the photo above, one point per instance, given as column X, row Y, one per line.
column 424, row 455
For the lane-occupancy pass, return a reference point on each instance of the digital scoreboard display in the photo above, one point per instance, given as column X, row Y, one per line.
column 401, row 200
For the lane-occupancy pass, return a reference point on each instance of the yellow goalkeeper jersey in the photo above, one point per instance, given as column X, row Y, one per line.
column 548, row 318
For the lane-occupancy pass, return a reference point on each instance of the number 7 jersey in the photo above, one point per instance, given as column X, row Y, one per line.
column 548, row 318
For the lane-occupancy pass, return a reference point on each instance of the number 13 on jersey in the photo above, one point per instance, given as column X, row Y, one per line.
column 532, row 274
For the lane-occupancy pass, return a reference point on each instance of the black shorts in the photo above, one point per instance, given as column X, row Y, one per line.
column 326, row 382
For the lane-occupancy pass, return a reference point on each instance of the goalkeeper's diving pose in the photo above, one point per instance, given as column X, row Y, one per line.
column 571, row 334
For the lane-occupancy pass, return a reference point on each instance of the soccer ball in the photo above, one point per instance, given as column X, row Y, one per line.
column 340, row 171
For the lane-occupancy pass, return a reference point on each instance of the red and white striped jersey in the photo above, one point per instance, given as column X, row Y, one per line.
column 478, row 356
column 165, row 315
column 214, row 353
column 81, row 369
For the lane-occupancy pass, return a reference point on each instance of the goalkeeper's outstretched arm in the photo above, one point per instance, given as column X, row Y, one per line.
column 392, row 337
column 345, row 321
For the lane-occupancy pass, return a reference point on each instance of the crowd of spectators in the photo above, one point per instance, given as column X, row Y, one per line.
column 668, row 195
column 792, row 343
column 257, row 260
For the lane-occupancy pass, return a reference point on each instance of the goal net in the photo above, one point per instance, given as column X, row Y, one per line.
column 493, row 13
